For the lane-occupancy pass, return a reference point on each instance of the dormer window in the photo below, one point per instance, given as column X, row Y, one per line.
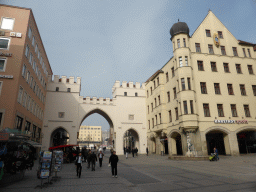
column 208, row 33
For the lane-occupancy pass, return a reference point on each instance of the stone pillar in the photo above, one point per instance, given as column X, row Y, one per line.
column 233, row 144
column 173, row 146
column 226, row 144
column 170, row 146
column 204, row 144
column 158, row 145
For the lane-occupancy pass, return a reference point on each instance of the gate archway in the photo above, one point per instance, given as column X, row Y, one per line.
column 59, row 137
column 176, row 143
column 131, row 139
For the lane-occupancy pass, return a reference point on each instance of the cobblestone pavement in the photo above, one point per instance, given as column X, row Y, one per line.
column 152, row 173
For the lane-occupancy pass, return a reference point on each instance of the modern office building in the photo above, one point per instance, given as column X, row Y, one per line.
column 90, row 135
column 205, row 95
column 24, row 68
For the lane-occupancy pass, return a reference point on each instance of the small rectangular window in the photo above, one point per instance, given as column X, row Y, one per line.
column 157, row 81
column 230, row 89
column 125, row 93
column 186, row 60
column 57, row 88
column 203, row 87
column 191, row 107
column 168, row 96
column 167, row 77
column 159, row 100
column 136, row 94
column 184, row 42
column 170, row 116
column 226, row 67
column 233, row 110
column 69, row 89
column 24, row 69
column 4, row 43
column 156, row 119
column 151, row 90
column 189, row 84
column 250, row 70
column 220, row 34
column 180, row 61
column 223, row 51
column 2, row 64
column 235, row 51
column 174, row 93
column 217, row 88
column 247, row 111
column 33, row 40
column 238, row 68
column 200, row 65
column 147, row 94
column 177, row 113
column 213, row 67
column 208, row 33
column 220, row 110
column 7, row 23
column 173, row 73
column 254, row 89
column 27, row 51
column 249, row 53
column 198, row 49
column 244, row 52
column 29, row 33
column 210, row 47
column 183, row 84
column 178, row 43
column 152, row 107
column 185, row 107
column 242, row 89
column 206, row 110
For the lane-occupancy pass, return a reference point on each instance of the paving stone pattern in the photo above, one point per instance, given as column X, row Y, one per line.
column 151, row 173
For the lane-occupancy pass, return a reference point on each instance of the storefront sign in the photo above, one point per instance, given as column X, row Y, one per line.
column 6, row 76
column 4, row 136
column 231, row 121
column 5, row 54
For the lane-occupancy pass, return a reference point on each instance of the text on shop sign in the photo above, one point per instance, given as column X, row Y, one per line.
column 231, row 121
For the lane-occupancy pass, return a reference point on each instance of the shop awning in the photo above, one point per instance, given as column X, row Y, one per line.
column 61, row 146
column 33, row 143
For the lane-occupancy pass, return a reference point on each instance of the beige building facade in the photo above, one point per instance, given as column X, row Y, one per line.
column 90, row 134
column 24, row 69
column 205, row 95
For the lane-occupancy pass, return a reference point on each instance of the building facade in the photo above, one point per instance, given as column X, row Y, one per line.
column 205, row 95
column 24, row 68
column 90, row 135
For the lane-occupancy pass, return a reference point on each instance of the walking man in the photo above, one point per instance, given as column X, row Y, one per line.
column 100, row 155
column 79, row 165
column 147, row 151
column 89, row 158
column 93, row 160
column 113, row 159
column 136, row 151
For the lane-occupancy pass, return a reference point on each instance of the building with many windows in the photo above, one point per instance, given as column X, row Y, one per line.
column 90, row 135
column 24, row 68
column 205, row 95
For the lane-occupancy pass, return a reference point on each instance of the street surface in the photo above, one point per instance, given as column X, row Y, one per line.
column 151, row 173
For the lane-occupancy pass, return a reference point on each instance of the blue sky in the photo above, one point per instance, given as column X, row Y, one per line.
column 103, row 41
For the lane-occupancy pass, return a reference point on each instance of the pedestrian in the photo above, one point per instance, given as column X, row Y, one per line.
column 216, row 153
column 133, row 151
column 136, row 151
column 100, row 155
column 126, row 152
column 147, row 151
column 78, row 163
column 113, row 159
column 89, row 158
column 93, row 160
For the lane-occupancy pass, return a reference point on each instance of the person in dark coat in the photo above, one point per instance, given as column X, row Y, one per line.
column 136, row 151
column 100, row 155
column 147, row 151
column 113, row 159
column 89, row 158
column 93, row 160
column 133, row 151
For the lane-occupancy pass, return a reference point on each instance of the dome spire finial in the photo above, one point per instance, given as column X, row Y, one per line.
column 178, row 20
